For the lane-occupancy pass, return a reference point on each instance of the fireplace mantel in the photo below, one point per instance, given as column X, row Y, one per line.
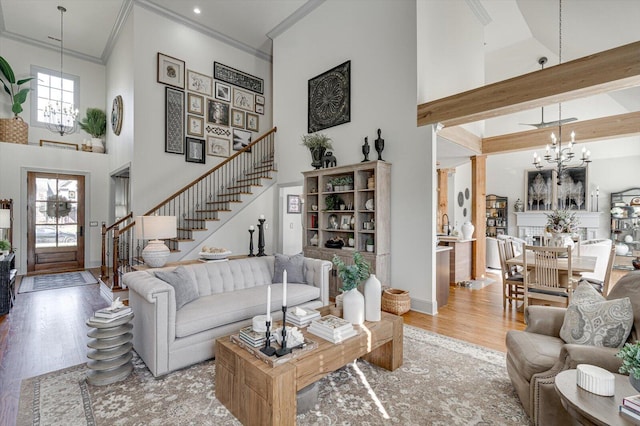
column 533, row 223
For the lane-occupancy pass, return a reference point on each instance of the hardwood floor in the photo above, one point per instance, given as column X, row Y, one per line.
column 46, row 330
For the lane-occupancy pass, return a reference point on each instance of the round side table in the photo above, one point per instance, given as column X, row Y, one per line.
column 110, row 355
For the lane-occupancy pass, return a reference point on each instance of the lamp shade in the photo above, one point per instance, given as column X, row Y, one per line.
column 5, row 218
column 159, row 227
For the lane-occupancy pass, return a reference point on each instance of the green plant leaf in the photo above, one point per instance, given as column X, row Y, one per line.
column 16, row 108
column 24, row 80
column 21, row 96
column 6, row 70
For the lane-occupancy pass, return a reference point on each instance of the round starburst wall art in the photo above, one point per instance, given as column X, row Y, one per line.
column 330, row 98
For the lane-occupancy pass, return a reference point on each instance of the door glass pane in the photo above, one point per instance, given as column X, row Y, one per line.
column 56, row 212
column 67, row 235
column 46, row 236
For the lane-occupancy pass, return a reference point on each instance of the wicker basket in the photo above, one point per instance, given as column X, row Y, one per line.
column 14, row 130
column 396, row 301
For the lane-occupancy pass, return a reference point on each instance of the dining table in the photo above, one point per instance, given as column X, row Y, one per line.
column 578, row 263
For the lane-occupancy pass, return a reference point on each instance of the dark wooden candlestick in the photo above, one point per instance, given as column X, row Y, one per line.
column 251, row 243
column 261, row 237
column 283, row 348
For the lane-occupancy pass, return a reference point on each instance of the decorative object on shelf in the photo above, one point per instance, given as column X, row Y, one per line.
column 518, row 206
column 330, row 98
column 314, row 240
column 14, row 129
column 335, row 242
column 630, row 355
column 636, row 263
column 117, row 110
column 61, row 119
column 467, row 230
column 352, row 276
column 370, row 245
column 372, row 298
column 317, row 143
column 351, row 241
column 371, row 182
column 379, row 144
column 396, row 301
column 617, row 212
column 366, row 149
column 251, row 231
column 561, row 157
column 332, row 201
column 261, row 222
column 622, row 249
column 156, row 228
column 333, row 222
column 369, row 204
column 329, row 160
column 95, row 123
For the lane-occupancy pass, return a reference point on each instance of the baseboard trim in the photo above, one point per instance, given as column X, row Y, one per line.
column 425, row 306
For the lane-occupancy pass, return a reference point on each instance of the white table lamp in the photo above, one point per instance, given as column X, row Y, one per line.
column 155, row 228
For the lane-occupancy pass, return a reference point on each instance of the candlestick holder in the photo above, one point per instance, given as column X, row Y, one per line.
column 283, row 347
column 251, row 243
column 268, row 350
column 261, row 237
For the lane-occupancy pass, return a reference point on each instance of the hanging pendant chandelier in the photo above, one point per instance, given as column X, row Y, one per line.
column 555, row 153
column 61, row 117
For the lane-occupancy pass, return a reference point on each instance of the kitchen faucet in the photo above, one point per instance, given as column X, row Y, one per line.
column 448, row 230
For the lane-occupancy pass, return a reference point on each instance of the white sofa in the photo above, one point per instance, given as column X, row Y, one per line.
column 230, row 294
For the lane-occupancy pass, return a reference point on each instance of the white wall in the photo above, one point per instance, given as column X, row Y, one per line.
column 291, row 223
column 379, row 37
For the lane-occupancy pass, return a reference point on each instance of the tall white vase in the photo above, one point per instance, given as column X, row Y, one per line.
column 372, row 298
column 467, row 230
column 353, row 306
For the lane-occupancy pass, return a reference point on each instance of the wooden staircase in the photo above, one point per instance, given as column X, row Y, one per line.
column 200, row 207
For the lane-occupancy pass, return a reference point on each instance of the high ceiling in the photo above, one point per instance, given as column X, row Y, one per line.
column 517, row 33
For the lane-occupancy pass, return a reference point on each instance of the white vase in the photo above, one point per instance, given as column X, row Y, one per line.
column 353, row 307
column 561, row 239
column 372, row 298
column 97, row 145
column 622, row 249
column 467, row 230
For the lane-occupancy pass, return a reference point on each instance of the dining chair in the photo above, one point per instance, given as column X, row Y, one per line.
column 544, row 281
column 512, row 281
column 603, row 285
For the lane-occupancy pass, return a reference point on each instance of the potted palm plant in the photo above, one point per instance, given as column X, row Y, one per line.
column 14, row 129
column 318, row 143
column 95, row 123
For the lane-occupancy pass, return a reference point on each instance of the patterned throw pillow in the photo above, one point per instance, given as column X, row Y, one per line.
column 294, row 266
column 585, row 293
column 185, row 288
column 605, row 323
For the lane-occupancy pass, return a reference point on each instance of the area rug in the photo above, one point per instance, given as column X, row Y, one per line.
column 443, row 381
column 51, row 281
column 476, row 284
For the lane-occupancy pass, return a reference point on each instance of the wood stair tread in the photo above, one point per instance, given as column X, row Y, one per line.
column 213, row 211
column 202, row 220
column 192, row 229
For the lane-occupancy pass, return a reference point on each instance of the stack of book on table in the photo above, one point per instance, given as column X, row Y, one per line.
column 106, row 315
column 302, row 317
column 252, row 338
column 332, row 328
column 630, row 408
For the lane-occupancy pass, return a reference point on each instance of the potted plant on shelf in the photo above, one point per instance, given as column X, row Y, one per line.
column 317, row 143
column 352, row 276
column 369, row 244
column 630, row 355
column 95, row 123
column 5, row 246
column 14, row 129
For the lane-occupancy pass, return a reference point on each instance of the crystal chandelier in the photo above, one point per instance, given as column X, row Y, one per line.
column 556, row 153
column 61, row 119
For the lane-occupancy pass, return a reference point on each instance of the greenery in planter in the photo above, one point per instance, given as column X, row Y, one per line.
column 317, row 140
column 95, row 123
column 630, row 355
column 12, row 86
column 333, row 201
column 352, row 275
column 4, row 245
column 370, row 241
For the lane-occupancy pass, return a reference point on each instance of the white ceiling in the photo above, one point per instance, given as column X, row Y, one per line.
column 517, row 33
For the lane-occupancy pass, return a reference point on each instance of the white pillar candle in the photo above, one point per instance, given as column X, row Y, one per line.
column 251, row 228
column 261, row 216
column 268, row 303
column 284, row 288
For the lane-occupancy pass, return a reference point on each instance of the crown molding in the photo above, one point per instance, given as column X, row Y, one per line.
column 479, row 11
column 37, row 43
column 123, row 14
column 296, row 16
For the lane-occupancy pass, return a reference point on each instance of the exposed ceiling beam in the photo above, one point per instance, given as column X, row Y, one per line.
column 615, row 126
column 462, row 137
column 601, row 72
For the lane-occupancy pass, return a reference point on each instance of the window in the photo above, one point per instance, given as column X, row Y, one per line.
column 49, row 88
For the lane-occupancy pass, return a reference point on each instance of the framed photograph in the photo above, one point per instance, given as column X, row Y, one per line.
column 333, row 85
column 500, row 231
column 59, row 145
column 223, row 92
column 199, row 83
column 253, row 123
column 260, row 109
column 241, row 138
column 174, row 121
column 237, row 78
column 571, row 190
column 243, row 100
column 345, row 221
column 195, row 126
column 237, row 118
column 259, row 100
column 170, row 71
column 195, row 104
column 293, row 204
column 195, row 151
column 217, row 112
column 217, row 147
column 539, row 191
column 224, row 132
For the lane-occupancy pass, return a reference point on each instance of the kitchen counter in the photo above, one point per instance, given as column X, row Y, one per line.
column 460, row 258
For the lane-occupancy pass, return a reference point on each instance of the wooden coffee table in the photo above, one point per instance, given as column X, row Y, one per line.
column 258, row 394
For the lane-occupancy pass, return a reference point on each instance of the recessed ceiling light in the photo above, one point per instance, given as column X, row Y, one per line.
column 196, row 10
